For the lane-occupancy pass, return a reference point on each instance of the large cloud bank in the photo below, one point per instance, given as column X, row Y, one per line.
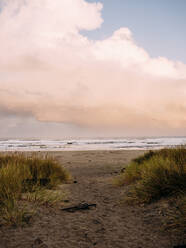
column 49, row 71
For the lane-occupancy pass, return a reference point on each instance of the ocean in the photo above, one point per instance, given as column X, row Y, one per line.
column 90, row 144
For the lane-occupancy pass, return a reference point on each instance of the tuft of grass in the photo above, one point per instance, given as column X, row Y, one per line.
column 23, row 175
column 131, row 174
column 159, row 177
column 44, row 197
column 155, row 175
column 13, row 214
column 34, row 170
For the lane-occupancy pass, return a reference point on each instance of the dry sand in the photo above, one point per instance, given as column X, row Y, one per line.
column 111, row 224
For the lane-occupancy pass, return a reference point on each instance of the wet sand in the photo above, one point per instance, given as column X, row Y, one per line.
column 112, row 224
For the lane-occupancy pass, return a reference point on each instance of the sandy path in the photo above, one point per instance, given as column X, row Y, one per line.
column 110, row 224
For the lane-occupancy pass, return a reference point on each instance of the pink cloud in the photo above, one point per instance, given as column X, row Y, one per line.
column 51, row 71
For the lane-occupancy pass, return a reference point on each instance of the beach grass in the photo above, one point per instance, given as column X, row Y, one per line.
column 158, row 175
column 44, row 197
column 30, row 176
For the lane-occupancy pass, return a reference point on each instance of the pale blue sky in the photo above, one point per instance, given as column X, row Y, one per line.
column 159, row 26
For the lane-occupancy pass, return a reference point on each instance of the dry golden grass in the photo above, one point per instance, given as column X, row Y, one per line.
column 155, row 175
column 34, row 176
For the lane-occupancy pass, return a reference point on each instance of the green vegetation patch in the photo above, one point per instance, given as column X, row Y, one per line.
column 156, row 175
column 29, row 176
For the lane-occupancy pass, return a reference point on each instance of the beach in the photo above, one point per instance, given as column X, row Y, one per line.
column 110, row 223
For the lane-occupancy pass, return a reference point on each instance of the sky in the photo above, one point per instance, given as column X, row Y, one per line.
column 77, row 68
column 158, row 26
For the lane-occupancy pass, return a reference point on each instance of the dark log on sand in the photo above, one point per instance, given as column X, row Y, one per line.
column 79, row 207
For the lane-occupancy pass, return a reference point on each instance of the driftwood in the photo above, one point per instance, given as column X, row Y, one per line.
column 79, row 207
